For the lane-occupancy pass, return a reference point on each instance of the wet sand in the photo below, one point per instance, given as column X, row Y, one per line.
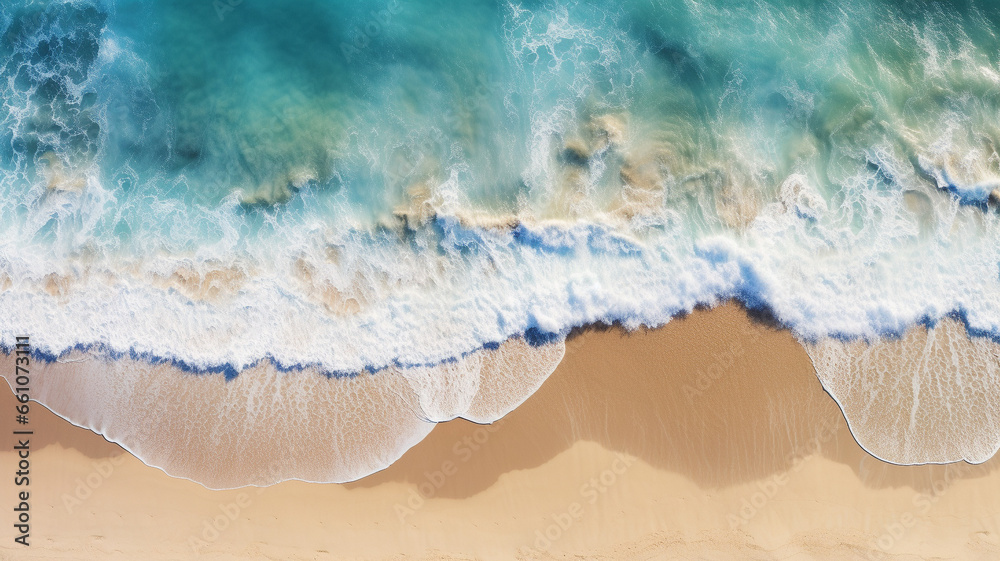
column 710, row 438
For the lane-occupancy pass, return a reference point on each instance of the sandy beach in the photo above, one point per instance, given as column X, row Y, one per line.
column 709, row 438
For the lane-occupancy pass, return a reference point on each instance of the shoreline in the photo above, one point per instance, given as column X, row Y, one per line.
column 732, row 414
column 757, row 320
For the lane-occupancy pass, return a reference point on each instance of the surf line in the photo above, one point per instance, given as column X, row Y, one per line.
column 22, row 380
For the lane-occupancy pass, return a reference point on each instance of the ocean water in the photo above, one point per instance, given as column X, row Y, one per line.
column 351, row 186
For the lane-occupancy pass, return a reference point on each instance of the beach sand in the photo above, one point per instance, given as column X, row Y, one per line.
column 709, row 438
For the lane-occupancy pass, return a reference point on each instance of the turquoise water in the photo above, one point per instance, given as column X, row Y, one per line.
column 355, row 184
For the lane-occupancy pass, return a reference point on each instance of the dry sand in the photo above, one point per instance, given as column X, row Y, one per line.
column 710, row 438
